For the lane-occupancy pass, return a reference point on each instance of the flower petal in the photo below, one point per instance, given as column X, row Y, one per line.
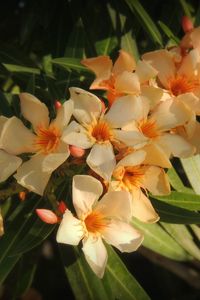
column 70, row 230
column 2, row 122
column 133, row 159
column 102, row 160
column 53, row 160
column 189, row 63
column 16, row 138
column 124, row 62
column 130, row 138
column 86, row 191
column 31, row 176
column 155, row 155
column 142, row 208
column 191, row 101
column 86, row 105
column 116, row 204
column 171, row 113
column 133, row 108
column 95, row 254
column 153, row 94
column 122, row 236
column 145, row 71
column 128, row 83
column 34, row 110
column 76, row 135
column 156, row 181
column 8, row 164
column 64, row 114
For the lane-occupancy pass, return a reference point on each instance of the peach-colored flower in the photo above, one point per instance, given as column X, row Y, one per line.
column 47, row 141
column 106, row 219
column 119, row 79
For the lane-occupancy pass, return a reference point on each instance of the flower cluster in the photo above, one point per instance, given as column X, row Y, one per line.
column 126, row 143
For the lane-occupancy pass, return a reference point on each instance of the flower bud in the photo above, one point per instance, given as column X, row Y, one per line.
column 187, row 24
column 76, row 151
column 62, row 207
column 47, row 216
column 22, row 196
column 57, row 104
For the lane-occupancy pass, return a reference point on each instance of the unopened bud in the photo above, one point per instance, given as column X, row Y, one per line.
column 22, row 196
column 76, row 151
column 62, row 207
column 187, row 24
column 57, row 104
column 47, row 216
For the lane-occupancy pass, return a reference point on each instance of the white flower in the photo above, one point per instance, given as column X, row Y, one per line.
column 107, row 219
column 47, row 141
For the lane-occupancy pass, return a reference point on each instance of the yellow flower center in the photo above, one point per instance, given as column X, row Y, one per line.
column 101, row 132
column 130, row 177
column 149, row 128
column 95, row 222
column 47, row 140
column 180, row 84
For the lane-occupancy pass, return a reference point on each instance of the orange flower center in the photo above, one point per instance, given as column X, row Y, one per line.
column 130, row 177
column 149, row 128
column 112, row 93
column 180, row 84
column 95, row 222
column 101, row 132
column 48, row 139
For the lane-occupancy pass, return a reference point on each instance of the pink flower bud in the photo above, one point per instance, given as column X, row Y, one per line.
column 57, row 104
column 187, row 24
column 47, row 216
column 62, row 207
column 22, row 196
column 76, row 151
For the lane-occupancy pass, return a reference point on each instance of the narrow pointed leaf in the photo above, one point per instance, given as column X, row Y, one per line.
column 177, row 183
column 191, row 167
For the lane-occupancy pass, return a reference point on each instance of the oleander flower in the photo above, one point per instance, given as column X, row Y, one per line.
column 138, row 173
column 106, row 219
column 119, row 79
column 9, row 163
column 100, row 131
column 46, row 143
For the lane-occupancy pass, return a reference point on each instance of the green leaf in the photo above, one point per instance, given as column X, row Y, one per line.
column 159, row 241
column 168, row 32
column 5, row 108
column 105, row 46
column 186, row 7
column 69, row 63
column 176, row 182
column 145, row 20
column 181, row 234
column 7, row 265
column 184, row 200
column 129, row 44
column 191, row 167
column 176, row 215
column 122, row 283
column 21, row 69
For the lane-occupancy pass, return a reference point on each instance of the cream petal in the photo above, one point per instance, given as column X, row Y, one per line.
column 142, row 208
column 195, row 140
column 64, row 114
column 191, row 101
column 145, row 71
column 128, row 83
column 170, row 114
column 16, row 138
column 8, row 164
column 2, row 122
column 153, row 94
column 124, row 62
column 133, row 159
column 31, row 176
column 195, row 38
column 76, row 135
column 86, row 191
column 130, row 138
column 101, row 160
column 177, row 145
column 1, row 224
column 133, row 108
column 122, row 236
column 162, row 61
column 86, row 105
column 189, row 63
column 53, row 160
column 70, row 231
column 155, row 155
column 116, row 204
column 95, row 254
column 34, row 110
column 101, row 66
column 156, row 181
